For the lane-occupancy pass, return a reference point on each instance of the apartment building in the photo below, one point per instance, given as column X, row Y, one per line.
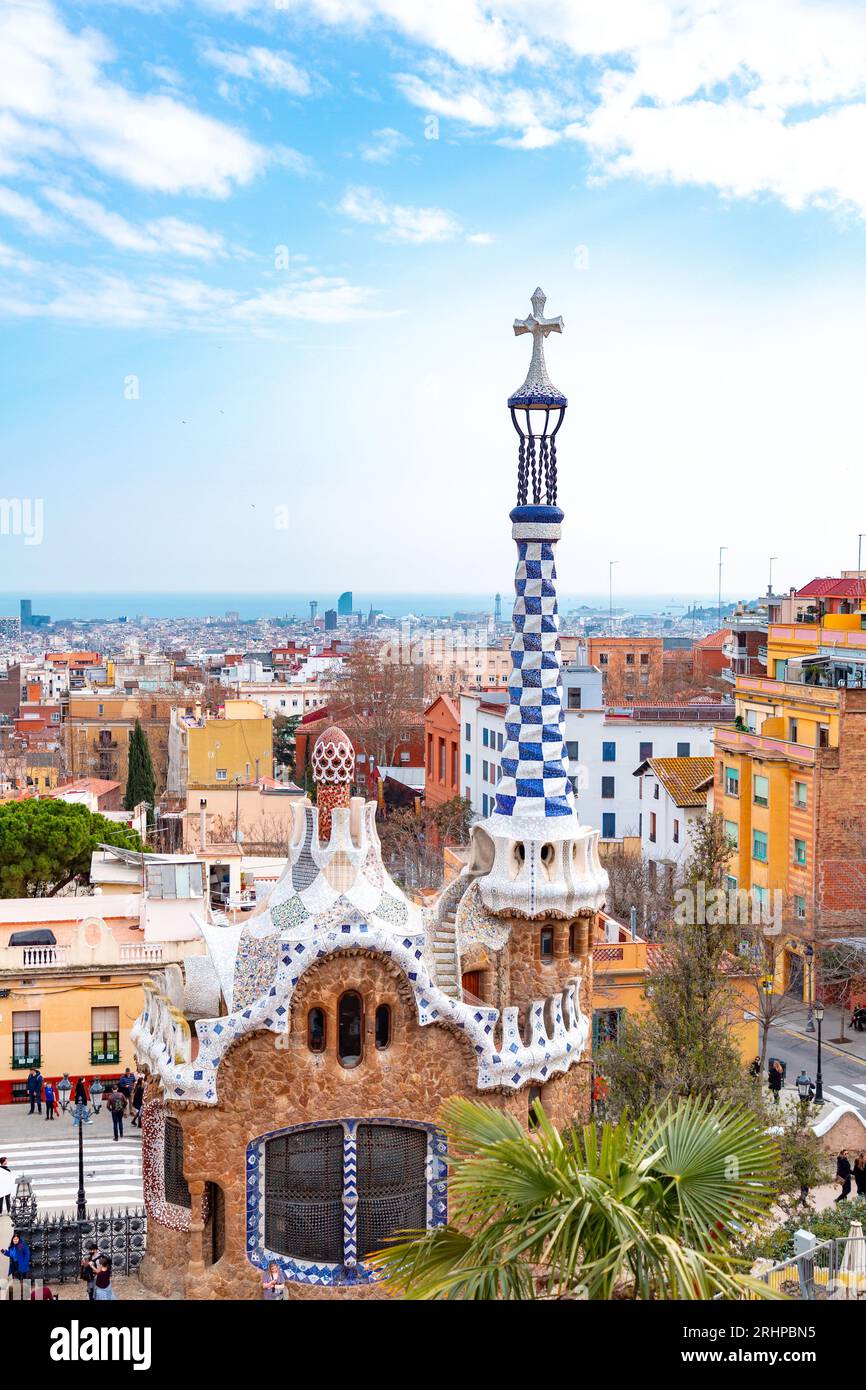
column 97, row 726
column 605, row 744
column 233, row 747
column 790, row 774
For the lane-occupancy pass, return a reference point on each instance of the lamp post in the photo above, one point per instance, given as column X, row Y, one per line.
column 809, row 954
column 81, row 1200
column 64, row 1091
column 23, row 1203
column 722, row 549
column 96, row 1095
column 819, row 1080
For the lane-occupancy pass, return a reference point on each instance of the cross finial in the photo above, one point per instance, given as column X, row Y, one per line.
column 538, row 389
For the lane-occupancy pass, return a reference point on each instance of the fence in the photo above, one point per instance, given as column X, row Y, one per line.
column 58, row 1243
column 832, row 1269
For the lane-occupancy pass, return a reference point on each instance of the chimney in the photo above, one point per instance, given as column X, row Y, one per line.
column 202, row 824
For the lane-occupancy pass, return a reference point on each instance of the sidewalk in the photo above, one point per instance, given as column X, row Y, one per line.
column 854, row 1045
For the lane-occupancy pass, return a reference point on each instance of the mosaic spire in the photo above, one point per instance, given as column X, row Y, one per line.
column 534, row 766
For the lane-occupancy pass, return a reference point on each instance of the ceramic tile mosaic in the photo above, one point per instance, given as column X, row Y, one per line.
column 351, row 1270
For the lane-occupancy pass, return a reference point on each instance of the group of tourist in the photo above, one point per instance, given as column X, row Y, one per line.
column 846, row 1171
column 95, row 1272
column 125, row 1094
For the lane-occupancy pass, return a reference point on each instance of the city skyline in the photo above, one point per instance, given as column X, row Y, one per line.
column 235, row 247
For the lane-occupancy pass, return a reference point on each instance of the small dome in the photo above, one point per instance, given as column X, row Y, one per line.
column 333, row 756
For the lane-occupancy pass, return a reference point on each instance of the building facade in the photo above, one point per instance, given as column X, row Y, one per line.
column 293, row 1098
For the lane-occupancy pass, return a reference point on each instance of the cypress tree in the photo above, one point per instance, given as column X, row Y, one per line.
column 140, row 779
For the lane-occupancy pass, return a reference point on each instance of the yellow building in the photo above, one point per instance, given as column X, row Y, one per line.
column 230, row 749
column 71, row 975
column 97, row 727
column 620, row 966
column 789, row 776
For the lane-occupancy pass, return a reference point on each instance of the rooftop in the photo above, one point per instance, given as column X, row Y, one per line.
column 681, row 778
column 833, row 588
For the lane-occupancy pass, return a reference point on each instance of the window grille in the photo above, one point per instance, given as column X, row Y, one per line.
column 304, row 1194
column 392, row 1183
column 176, row 1187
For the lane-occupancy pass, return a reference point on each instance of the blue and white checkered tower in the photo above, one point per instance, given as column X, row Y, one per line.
column 544, row 861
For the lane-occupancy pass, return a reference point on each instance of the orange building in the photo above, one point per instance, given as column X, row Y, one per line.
column 442, row 742
column 629, row 665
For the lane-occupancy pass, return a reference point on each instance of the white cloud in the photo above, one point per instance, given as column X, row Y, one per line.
column 55, row 94
column 22, row 209
column 168, row 235
column 272, row 67
column 399, row 222
column 383, row 145
column 117, row 300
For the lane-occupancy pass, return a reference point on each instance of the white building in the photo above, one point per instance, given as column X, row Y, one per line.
column 296, row 699
column 673, row 794
column 605, row 746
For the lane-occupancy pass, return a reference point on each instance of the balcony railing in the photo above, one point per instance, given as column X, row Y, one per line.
column 105, row 1059
column 736, row 741
column 24, row 1063
column 134, row 951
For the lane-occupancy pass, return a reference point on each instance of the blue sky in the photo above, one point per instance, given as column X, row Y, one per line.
column 259, row 263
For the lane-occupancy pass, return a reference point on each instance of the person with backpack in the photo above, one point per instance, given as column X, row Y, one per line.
column 89, row 1269
column 117, row 1105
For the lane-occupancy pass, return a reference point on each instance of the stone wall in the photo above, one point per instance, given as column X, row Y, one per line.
column 269, row 1082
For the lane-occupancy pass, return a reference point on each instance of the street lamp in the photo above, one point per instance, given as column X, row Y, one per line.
column 819, row 1082
column 809, row 953
column 81, row 1199
column 23, row 1203
column 804, row 1086
column 96, row 1090
column 64, row 1090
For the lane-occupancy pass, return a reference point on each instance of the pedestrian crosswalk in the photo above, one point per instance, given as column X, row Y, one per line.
column 855, row 1094
column 112, row 1171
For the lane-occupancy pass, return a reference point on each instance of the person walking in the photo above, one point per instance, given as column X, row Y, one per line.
column 19, row 1260
column 859, row 1174
column 102, row 1290
column 843, row 1175
column 7, row 1186
column 117, row 1105
column 775, row 1079
column 137, row 1101
column 34, row 1090
column 81, row 1113
column 50, row 1100
column 126, row 1084
column 90, row 1269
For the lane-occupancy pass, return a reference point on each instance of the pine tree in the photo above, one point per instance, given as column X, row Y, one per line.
column 140, row 779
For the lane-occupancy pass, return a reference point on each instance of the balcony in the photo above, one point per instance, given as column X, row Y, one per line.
column 122, row 954
column 43, row 955
column 107, row 745
column 105, row 1059
column 737, row 742
column 25, row 1063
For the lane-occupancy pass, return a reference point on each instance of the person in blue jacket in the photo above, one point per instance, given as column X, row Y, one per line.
column 19, row 1260
column 34, row 1090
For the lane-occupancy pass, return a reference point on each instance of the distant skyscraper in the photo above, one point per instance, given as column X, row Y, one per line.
column 497, row 611
column 344, row 604
column 26, row 612
column 314, row 608
column 330, row 619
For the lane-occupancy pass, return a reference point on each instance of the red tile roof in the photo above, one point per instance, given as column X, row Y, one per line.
column 715, row 640
column 833, row 588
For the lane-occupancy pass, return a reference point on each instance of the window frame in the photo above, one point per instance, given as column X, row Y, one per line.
column 347, row 1062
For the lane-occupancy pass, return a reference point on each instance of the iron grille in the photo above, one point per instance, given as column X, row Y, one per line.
column 392, row 1183
column 176, row 1186
column 59, row 1243
column 304, row 1194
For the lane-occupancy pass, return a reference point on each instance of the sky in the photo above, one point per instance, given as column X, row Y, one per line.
column 260, row 261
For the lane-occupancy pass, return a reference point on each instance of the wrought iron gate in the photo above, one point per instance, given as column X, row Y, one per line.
column 59, row 1243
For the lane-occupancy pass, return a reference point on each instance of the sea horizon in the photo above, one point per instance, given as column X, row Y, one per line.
column 167, row 605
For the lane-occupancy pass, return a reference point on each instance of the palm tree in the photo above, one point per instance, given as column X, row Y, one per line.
column 643, row 1209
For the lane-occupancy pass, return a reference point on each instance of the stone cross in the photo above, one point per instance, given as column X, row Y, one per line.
column 539, row 327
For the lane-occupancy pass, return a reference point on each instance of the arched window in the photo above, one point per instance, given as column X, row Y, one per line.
column 176, row 1187
column 350, row 1028
column 383, row 1025
column 574, row 940
column 546, row 943
column 316, row 1030
column 304, row 1194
